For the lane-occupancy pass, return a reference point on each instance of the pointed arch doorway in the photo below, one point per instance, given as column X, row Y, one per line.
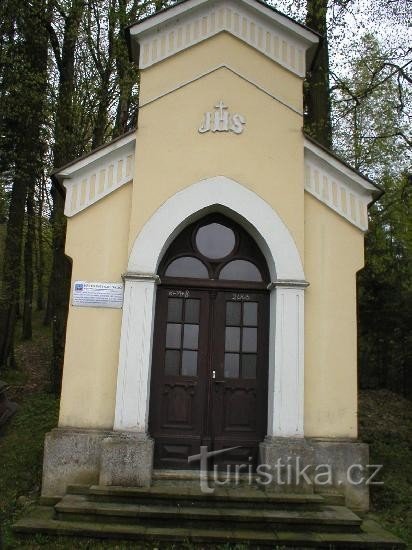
column 210, row 351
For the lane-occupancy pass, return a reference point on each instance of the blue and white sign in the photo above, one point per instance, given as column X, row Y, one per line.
column 93, row 294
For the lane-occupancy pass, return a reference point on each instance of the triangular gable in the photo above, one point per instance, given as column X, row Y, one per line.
column 190, row 22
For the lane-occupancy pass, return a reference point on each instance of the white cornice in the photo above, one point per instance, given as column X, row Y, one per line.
column 94, row 156
column 336, row 185
column 191, row 22
column 98, row 174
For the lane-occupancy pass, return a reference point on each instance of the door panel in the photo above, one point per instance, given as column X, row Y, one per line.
column 209, row 375
column 179, row 375
column 239, row 404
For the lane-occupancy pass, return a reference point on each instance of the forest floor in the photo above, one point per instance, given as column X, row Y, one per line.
column 385, row 423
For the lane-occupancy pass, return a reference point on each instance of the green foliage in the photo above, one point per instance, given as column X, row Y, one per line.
column 4, row 204
column 372, row 108
column 371, row 131
column 390, row 440
column 21, row 451
column 385, row 291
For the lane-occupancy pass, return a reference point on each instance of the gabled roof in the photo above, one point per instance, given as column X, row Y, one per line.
column 327, row 177
column 261, row 2
column 189, row 22
column 101, row 151
column 338, row 185
column 97, row 174
column 366, row 182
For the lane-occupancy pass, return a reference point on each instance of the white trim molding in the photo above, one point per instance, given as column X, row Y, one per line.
column 94, row 176
column 133, row 375
column 286, row 357
column 191, row 22
column 337, row 186
column 238, row 202
column 286, row 380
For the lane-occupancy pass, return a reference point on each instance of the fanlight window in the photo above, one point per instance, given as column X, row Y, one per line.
column 215, row 241
column 187, row 267
column 218, row 251
column 240, row 270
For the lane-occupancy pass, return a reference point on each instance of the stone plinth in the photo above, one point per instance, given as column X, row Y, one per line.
column 70, row 456
column 289, row 461
column 349, row 460
column 89, row 457
column 127, row 460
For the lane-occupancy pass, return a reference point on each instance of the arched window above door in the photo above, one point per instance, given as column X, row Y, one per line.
column 215, row 251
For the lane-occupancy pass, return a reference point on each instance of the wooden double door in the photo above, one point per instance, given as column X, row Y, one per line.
column 209, row 375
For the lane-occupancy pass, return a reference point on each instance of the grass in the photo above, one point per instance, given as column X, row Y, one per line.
column 21, row 450
column 385, row 423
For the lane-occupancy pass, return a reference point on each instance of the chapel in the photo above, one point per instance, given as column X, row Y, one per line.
column 215, row 250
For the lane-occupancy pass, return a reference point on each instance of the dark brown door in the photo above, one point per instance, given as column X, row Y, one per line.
column 209, row 374
column 239, row 355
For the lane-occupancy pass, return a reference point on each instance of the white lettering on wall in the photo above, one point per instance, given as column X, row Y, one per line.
column 221, row 120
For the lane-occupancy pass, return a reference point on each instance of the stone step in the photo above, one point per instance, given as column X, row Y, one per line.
column 330, row 518
column 187, row 476
column 371, row 536
column 171, row 490
column 239, row 497
column 191, row 477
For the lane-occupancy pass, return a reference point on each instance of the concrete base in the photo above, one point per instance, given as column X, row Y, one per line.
column 127, row 460
column 289, row 461
column 297, row 465
column 348, row 460
column 330, row 466
column 75, row 456
column 71, row 456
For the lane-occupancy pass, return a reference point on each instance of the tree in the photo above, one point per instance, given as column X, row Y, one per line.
column 126, row 72
column 372, row 132
column 22, row 117
column 372, row 111
column 76, row 103
column 4, row 203
column 64, row 150
column 385, row 291
column 371, row 119
column 317, row 89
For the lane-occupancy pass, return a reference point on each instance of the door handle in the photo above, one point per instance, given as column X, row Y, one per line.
column 214, row 378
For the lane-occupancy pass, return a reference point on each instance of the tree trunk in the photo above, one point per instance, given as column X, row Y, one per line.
column 60, row 281
column 317, row 93
column 63, row 152
column 127, row 74
column 28, row 267
column 104, row 66
column 9, row 297
column 26, row 118
column 40, row 249
column 101, row 122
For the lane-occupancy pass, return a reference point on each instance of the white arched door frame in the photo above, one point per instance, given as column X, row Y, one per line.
column 286, row 331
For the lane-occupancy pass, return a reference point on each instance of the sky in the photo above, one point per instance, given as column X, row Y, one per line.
column 346, row 26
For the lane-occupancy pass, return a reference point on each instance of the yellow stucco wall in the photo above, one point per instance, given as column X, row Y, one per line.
column 334, row 252
column 97, row 243
column 268, row 159
column 171, row 154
